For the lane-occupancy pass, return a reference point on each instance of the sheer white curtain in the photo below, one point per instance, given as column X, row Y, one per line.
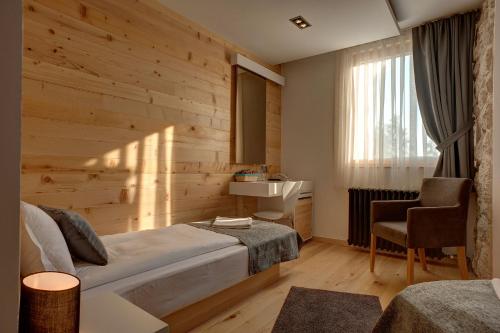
column 381, row 141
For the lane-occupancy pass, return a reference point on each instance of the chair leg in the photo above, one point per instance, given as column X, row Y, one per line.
column 462, row 263
column 421, row 257
column 373, row 249
column 410, row 259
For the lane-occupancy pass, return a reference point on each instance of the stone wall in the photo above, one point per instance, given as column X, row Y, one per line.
column 483, row 108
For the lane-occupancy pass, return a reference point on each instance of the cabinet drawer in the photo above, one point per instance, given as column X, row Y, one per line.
column 303, row 218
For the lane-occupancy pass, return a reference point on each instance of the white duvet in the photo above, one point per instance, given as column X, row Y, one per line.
column 136, row 252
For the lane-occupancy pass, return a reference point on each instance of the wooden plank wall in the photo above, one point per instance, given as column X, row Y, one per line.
column 126, row 114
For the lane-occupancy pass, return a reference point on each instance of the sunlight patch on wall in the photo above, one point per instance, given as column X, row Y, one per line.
column 113, row 154
column 167, row 172
column 91, row 162
column 131, row 164
column 147, row 192
column 153, row 188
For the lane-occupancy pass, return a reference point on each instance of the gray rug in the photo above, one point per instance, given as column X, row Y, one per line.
column 314, row 310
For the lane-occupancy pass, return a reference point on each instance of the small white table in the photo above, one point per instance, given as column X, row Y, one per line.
column 266, row 189
column 109, row 313
column 269, row 196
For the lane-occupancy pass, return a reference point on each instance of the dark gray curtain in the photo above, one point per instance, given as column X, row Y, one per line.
column 442, row 55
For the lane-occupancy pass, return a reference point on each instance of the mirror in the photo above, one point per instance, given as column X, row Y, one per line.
column 250, row 114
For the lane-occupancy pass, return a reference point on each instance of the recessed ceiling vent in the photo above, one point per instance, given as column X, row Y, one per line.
column 300, row 22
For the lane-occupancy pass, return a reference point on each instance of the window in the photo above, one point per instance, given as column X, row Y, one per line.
column 385, row 142
column 388, row 124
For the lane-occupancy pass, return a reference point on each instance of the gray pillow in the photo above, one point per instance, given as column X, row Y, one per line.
column 83, row 242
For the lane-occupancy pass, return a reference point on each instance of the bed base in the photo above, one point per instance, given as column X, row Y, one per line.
column 195, row 314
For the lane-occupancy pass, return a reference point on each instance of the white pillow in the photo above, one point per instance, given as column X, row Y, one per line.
column 43, row 247
column 31, row 255
column 496, row 286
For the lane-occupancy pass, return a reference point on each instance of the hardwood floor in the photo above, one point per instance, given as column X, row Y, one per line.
column 324, row 266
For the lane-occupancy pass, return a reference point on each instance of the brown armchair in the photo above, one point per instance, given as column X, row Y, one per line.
column 437, row 218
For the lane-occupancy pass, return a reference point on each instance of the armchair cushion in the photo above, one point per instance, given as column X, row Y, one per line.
column 394, row 231
column 391, row 210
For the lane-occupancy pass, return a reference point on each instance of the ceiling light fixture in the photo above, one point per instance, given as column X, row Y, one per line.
column 300, row 22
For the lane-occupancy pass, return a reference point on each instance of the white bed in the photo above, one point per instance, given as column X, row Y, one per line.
column 166, row 269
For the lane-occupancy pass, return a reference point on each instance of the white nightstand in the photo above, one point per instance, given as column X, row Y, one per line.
column 109, row 313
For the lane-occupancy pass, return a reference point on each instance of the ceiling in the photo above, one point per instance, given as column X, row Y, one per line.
column 263, row 26
column 411, row 13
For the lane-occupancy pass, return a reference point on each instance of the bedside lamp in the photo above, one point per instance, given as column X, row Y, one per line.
column 50, row 302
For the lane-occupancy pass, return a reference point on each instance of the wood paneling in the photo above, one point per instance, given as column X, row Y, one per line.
column 126, row 114
column 273, row 126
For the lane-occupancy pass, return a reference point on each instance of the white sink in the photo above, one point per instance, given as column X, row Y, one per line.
column 264, row 189
column 257, row 189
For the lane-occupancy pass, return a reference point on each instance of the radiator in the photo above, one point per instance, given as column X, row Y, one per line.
column 359, row 218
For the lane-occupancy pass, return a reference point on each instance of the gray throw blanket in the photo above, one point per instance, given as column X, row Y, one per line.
column 267, row 243
column 443, row 306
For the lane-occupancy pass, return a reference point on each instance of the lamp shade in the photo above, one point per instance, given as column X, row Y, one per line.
column 50, row 302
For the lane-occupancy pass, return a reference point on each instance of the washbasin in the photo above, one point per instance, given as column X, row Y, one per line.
column 271, row 188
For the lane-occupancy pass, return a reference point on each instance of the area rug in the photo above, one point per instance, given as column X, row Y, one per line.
column 314, row 310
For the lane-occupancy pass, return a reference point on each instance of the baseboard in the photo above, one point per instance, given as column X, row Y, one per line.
column 330, row 240
column 446, row 261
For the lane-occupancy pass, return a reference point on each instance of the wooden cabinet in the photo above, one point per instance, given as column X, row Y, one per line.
column 303, row 218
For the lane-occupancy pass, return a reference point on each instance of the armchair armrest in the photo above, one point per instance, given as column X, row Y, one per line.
column 434, row 227
column 391, row 210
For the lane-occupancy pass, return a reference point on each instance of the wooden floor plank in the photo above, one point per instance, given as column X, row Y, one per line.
column 323, row 266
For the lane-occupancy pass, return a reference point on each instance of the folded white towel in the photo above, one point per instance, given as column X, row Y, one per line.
column 232, row 226
column 228, row 222
column 496, row 286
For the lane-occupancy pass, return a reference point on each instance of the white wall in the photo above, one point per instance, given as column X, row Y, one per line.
column 308, row 102
column 496, row 146
column 10, row 110
column 308, row 136
column 308, row 143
